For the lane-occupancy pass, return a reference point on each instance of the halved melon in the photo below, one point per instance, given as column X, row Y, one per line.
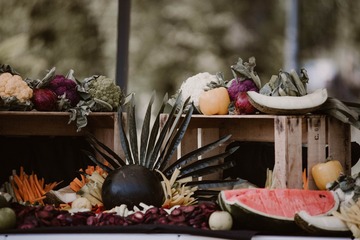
column 322, row 225
column 275, row 209
column 288, row 104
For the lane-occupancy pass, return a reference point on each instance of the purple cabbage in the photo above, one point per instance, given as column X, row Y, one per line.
column 237, row 86
column 62, row 85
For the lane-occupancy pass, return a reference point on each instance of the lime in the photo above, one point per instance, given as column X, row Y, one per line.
column 7, row 218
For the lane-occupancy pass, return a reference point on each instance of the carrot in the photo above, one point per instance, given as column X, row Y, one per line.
column 21, row 173
column 25, row 193
column 100, row 170
column 39, row 199
column 35, row 189
column 18, row 181
column 74, row 187
column 28, row 188
column 38, row 185
column 305, row 180
column 51, row 186
column 78, row 182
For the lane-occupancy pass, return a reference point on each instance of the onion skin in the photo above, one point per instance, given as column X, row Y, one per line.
column 44, row 100
column 131, row 185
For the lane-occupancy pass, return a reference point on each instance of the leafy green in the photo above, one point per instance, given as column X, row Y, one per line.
column 286, row 84
column 246, row 70
column 193, row 155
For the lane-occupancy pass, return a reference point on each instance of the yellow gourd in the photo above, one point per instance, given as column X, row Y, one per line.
column 327, row 172
column 215, row 101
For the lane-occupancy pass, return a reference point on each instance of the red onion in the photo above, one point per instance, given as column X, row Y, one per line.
column 242, row 104
column 44, row 99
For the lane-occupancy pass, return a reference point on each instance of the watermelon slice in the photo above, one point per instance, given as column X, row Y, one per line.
column 275, row 209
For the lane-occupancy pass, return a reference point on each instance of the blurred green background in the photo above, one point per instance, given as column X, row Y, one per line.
column 172, row 40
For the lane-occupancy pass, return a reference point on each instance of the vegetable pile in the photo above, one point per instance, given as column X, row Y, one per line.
column 25, row 187
column 284, row 93
column 147, row 186
column 213, row 95
column 48, row 216
column 57, row 92
column 245, row 79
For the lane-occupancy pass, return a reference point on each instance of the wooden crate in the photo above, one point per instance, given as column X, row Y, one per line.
column 102, row 124
column 288, row 133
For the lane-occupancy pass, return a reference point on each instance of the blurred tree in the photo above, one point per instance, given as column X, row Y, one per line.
column 41, row 34
column 172, row 40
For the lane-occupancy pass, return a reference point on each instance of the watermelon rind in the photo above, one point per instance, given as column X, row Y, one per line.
column 249, row 218
column 322, row 225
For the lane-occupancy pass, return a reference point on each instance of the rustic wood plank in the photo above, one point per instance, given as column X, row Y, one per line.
column 189, row 142
column 289, row 134
column 339, row 142
column 294, row 152
column 208, row 135
column 102, row 125
column 280, row 173
column 316, row 143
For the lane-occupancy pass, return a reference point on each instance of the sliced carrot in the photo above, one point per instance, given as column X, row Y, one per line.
column 38, row 185
column 78, row 182
column 21, row 173
column 74, row 187
column 89, row 170
column 39, row 200
column 25, row 193
column 305, row 180
column 18, row 181
column 51, row 186
column 28, row 188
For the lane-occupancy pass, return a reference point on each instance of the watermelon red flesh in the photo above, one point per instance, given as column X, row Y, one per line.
column 282, row 203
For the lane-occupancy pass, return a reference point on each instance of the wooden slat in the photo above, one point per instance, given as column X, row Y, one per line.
column 289, row 134
column 242, row 128
column 316, row 129
column 294, row 152
column 280, row 167
column 208, row 135
column 102, row 124
column 189, row 142
column 339, row 139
